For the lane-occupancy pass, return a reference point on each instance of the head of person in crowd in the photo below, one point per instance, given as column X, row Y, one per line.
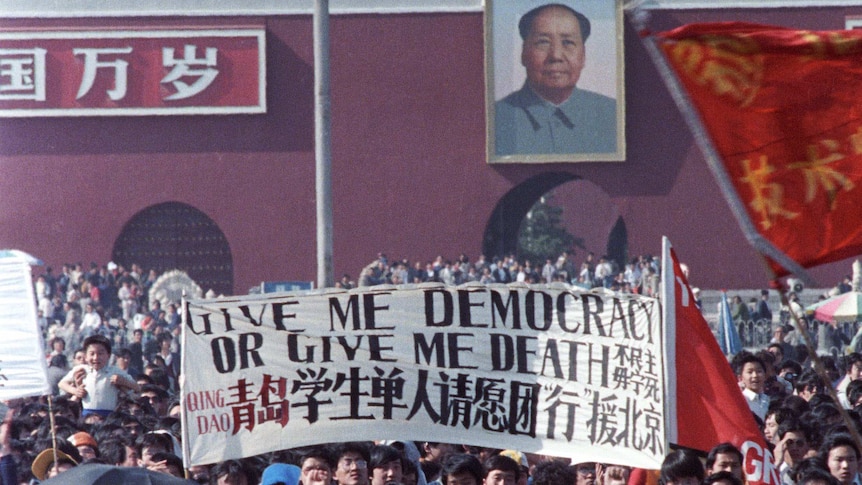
column 816, row 476
column 750, row 371
column 233, row 472
column 199, row 473
column 316, row 465
column 553, row 472
column 168, row 463
column 98, row 351
column 777, row 352
column 462, row 469
column 281, row 474
column 681, row 467
column 120, row 451
column 58, row 345
column 830, row 364
column 840, row 454
column 45, row 466
column 585, row 473
column 789, row 370
column 79, row 357
column 501, row 470
column 851, row 365
column 351, row 460
column 722, row 478
column 774, row 417
column 158, row 398
column 808, row 384
column 433, row 451
column 385, row 465
column 152, row 443
column 724, row 457
column 86, row 445
column 826, row 413
column 122, row 357
column 854, row 394
column 431, row 470
column 793, row 441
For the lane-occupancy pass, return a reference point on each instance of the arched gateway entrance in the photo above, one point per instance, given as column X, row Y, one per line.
column 173, row 235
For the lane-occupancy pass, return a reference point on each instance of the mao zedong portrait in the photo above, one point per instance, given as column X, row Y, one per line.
column 550, row 114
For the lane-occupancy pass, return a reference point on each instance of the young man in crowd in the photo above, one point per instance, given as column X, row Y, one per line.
column 462, row 469
column 351, row 463
column 724, row 457
column 501, row 470
column 751, row 373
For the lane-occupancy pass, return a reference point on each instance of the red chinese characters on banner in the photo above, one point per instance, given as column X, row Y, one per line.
column 80, row 73
column 782, row 110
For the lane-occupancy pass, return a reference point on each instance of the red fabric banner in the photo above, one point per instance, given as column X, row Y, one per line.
column 710, row 407
column 783, row 111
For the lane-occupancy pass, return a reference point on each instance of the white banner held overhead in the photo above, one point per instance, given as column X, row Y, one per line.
column 23, row 370
column 542, row 369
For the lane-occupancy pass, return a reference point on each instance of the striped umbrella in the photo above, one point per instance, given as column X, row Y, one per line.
column 846, row 307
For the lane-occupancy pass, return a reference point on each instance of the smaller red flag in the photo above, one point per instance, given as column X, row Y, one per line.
column 710, row 407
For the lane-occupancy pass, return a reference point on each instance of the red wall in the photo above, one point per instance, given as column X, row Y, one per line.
column 409, row 171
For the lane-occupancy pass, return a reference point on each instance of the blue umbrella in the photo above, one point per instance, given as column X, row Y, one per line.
column 728, row 336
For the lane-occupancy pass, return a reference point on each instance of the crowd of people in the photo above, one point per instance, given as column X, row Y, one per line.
column 640, row 275
column 117, row 401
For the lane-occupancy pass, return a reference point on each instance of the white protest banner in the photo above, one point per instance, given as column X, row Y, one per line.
column 545, row 369
column 23, row 370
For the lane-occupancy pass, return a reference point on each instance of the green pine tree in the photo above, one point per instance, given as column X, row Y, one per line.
column 542, row 235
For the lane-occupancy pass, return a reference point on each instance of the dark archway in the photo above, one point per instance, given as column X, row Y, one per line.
column 173, row 235
column 501, row 233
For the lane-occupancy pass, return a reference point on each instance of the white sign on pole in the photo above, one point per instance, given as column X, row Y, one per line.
column 23, row 370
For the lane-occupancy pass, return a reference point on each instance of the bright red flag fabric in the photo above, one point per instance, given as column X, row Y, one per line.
column 783, row 111
column 710, row 408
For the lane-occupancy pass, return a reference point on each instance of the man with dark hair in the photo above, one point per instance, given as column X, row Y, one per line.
column 462, row 469
column 315, row 466
column 854, row 394
column 681, row 467
column 585, row 473
column 553, row 472
column 352, row 463
column 235, row 472
column 501, row 470
column 808, row 384
column 841, row 455
column 852, row 364
column 791, row 448
column 549, row 114
column 751, row 372
column 722, row 478
column 724, row 457
column 386, row 465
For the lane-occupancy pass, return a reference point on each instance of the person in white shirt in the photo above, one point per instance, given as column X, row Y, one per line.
column 752, row 379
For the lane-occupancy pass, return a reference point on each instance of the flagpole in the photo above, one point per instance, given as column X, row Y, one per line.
column 668, row 309
column 713, row 160
column 817, row 363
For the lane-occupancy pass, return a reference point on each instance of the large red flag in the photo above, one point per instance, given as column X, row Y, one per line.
column 710, row 408
column 783, row 113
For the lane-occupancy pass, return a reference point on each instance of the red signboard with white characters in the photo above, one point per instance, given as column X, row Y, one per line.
column 132, row 72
